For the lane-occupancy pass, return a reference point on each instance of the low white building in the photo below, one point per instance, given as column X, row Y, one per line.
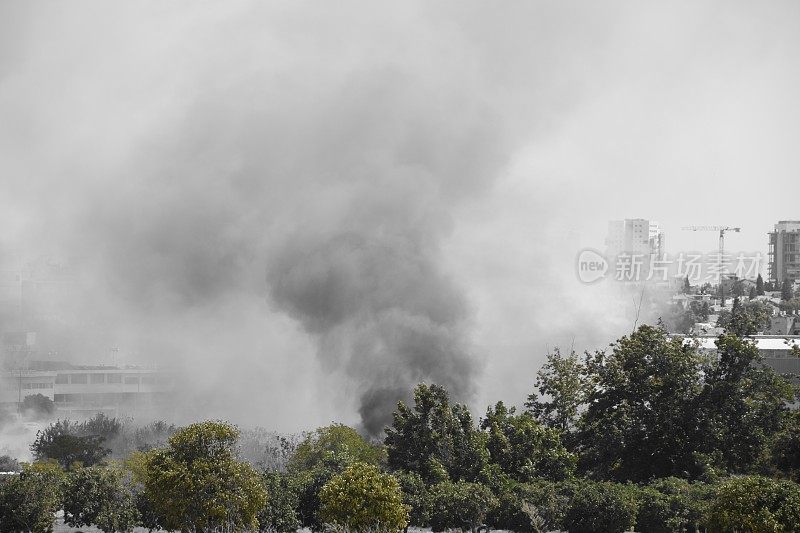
column 775, row 349
column 79, row 391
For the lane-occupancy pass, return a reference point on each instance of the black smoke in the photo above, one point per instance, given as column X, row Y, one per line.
column 381, row 308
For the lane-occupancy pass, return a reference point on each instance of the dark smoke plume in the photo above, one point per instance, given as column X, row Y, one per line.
column 380, row 308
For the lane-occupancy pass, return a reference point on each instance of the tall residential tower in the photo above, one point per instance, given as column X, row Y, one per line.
column 784, row 251
column 635, row 236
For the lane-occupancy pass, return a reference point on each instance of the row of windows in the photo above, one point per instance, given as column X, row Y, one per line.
column 37, row 386
column 96, row 379
column 777, row 354
column 99, row 400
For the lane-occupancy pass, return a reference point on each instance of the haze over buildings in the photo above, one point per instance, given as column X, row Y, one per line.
column 308, row 210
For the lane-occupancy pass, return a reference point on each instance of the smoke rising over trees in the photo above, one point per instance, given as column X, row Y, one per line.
column 350, row 201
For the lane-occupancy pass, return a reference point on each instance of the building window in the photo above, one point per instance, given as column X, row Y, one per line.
column 97, row 378
column 79, row 379
column 62, row 379
column 32, row 386
column 131, row 380
column 114, row 378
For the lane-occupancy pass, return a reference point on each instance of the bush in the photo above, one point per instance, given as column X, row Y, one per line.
column 531, row 507
column 756, row 504
column 338, row 440
column 600, row 507
column 280, row 513
column 99, row 496
column 666, row 505
column 61, row 442
column 153, row 435
column 8, row 464
column 28, row 502
column 460, row 505
column 362, row 498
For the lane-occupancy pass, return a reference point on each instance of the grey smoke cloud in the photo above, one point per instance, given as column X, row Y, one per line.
column 321, row 201
column 382, row 309
column 280, row 172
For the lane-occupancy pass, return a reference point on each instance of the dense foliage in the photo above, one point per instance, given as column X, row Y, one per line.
column 653, row 434
column 362, row 498
column 38, row 407
column 755, row 504
column 435, row 439
column 61, row 443
column 29, row 501
column 197, row 483
column 99, row 496
column 656, row 406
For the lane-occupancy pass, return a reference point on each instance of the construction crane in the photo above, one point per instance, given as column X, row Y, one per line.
column 721, row 230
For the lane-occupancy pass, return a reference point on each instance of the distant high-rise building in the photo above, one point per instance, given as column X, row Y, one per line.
column 634, row 236
column 784, row 251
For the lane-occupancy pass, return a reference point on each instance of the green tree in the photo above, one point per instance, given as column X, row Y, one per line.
column 687, row 287
column 639, row 420
column 791, row 306
column 101, row 497
column 339, row 440
column 741, row 408
column 668, row 505
column 460, row 504
column 659, row 407
column 153, row 435
column 562, row 385
column 320, row 456
column 755, row 504
column 197, row 483
column 753, row 293
column 596, row 507
column 38, row 407
column 149, row 518
column 738, row 289
column 9, row 464
column 786, row 290
column 99, row 425
column 529, row 507
column 785, row 453
column 435, row 438
column 362, row 498
column 309, row 483
column 280, row 513
column 523, row 448
column 28, row 502
column 746, row 319
column 416, row 496
column 60, row 443
column 759, row 285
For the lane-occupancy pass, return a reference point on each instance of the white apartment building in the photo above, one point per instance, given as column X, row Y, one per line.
column 634, row 236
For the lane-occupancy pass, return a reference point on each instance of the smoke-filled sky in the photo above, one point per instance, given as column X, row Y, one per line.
column 312, row 206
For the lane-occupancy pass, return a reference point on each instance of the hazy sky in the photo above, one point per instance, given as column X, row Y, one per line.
column 247, row 185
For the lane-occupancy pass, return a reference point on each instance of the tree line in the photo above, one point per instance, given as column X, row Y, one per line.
column 652, row 434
